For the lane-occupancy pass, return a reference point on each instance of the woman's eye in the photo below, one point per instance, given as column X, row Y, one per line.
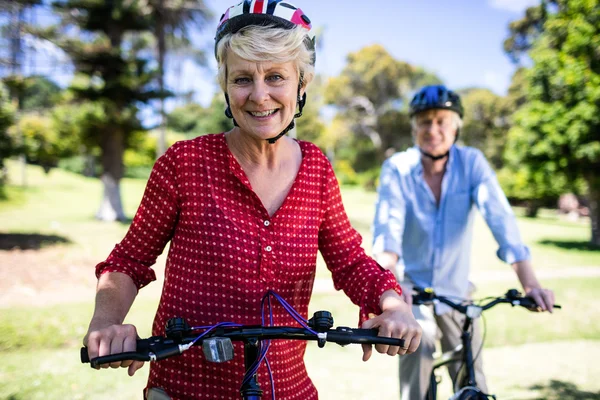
column 275, row 78
column 241, row 81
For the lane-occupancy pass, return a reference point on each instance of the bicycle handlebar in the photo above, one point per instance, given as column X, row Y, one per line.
column 512, row 296
column 160, row 347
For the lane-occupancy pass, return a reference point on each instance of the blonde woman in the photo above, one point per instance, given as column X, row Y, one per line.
column 245, row 211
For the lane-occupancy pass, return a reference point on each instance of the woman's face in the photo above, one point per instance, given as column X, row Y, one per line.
column 435, row 131
column 262, row 96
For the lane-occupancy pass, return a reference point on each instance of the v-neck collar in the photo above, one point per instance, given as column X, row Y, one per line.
column 236, row 169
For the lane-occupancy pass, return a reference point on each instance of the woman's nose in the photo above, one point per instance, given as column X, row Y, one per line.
column 260, row 92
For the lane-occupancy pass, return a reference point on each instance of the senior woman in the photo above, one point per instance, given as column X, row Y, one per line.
column 245, row 211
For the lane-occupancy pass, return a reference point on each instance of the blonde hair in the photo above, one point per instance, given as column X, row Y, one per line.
column 267, row 44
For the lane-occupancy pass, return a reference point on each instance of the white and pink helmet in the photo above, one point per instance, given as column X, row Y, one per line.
column 275, row 13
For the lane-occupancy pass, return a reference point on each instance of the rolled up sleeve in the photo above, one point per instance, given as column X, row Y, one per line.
column 497, row 212
column 151, row 228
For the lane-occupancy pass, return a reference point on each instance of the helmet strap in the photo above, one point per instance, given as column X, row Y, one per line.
column 434, row 158
column 228, row 112
column 301, row 100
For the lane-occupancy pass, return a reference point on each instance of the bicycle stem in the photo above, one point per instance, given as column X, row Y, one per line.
column 251, row 390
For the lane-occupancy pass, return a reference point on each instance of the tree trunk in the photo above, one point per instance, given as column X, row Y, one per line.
column 532, row 208
column 113, row 147
column 593, row 181
column 162, row 50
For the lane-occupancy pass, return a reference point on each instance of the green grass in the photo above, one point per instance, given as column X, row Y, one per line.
column 43, row 361
column 39, row 346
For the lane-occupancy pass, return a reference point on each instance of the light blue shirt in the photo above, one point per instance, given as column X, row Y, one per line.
column 434, row 242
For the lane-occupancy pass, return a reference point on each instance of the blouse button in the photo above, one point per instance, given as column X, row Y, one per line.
column 267, row 223
column 268, row 248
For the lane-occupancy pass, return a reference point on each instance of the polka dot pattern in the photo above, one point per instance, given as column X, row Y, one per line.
column 226, row 252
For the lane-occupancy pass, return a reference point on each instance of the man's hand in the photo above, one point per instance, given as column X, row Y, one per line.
column 544, row 298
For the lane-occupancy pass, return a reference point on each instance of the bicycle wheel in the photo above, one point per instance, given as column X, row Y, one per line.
column 471, row 393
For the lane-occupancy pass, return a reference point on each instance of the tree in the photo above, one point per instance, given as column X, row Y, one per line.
column 486, row 123
column 7, row 145
column 524, row 31
column 172, row 20
column 43, row 143
column 371, row 94
column 310, row 126
column 557, row 132
column 40, row 93
column 109, row 73
column 195, row 120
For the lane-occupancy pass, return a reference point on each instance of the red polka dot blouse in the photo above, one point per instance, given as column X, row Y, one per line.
column 226, row 252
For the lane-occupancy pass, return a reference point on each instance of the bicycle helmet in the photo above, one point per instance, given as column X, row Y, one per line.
column 275, row 13
column 436, row 97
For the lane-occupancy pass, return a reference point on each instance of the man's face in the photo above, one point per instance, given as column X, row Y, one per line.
column 436, row 131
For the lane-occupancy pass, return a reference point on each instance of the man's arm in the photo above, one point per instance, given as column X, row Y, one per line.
column 493, row 205
column 543, row 297
column 388, row 224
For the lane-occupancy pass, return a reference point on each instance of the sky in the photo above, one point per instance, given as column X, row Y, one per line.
column 459, row 40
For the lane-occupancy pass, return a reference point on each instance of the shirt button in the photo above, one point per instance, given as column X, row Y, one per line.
column 267, row 223
column 268, row 248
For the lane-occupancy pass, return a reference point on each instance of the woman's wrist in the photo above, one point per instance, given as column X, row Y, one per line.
column 390, row 299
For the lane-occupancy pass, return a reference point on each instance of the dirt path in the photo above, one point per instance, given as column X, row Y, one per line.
column 60, row 275
column 51, row 276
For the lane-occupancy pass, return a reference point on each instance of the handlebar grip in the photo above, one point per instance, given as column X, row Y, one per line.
column 140, row 355
column 530, row 303
column 96, row 362
column 362, row 336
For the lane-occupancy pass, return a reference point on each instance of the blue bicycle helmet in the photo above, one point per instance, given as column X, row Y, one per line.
column 435, row 97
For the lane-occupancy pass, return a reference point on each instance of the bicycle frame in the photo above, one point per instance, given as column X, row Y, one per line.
column 464, row 353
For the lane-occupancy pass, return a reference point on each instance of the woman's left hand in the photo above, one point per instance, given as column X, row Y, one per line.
column 397, row 321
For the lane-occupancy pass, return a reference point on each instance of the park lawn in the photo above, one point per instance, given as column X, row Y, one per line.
column 39, row 345
column 63, row 204
column 40, row 350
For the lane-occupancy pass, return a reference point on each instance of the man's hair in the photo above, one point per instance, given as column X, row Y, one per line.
column 267, row 44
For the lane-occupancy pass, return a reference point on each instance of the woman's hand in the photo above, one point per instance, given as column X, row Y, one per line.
column 111, row 339
column 396, row 321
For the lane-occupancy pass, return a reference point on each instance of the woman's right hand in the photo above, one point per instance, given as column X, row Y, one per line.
column 105, row 339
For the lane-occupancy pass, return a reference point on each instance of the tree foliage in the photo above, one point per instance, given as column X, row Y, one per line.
column 524, row 31
column 42, row 143
column 557, row 132
column 109, row 73
column 195, row 120
column 371, row 94
column 486, row 123
column 7, row 144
